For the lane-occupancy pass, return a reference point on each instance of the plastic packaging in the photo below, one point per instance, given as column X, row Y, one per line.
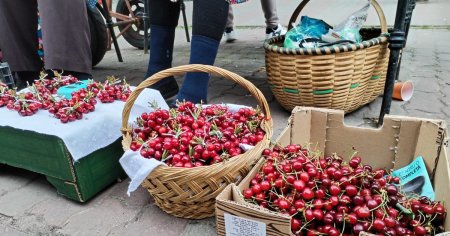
column 308, row 28
column 312, row 33
column 349, row 29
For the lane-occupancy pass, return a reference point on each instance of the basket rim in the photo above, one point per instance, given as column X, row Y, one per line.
column 326, row 50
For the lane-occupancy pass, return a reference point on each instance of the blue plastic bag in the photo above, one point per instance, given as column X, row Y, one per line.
column 306, row 29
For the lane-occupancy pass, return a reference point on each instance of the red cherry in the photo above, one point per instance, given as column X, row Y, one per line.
column 309, row 215
column 334, row 190
column 320, row 193
column 390, row 222
column 352, row 218
column 307, row 194
column 256, row 188
column 351, row 190
column 295, row 224
column 318, row 214
column 378, row 224
column 260, row 197
column 248, row 193
column 299, row 185
column 363, row 212
column 304, row 176
column 420, row 230
column 355, row 161
column 283, row 204
column 265, row 185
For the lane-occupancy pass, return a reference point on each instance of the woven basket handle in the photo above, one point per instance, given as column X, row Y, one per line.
column 375, row 4
column 256, row 93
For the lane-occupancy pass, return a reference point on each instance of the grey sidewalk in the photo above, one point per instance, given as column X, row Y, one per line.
column 30, row 206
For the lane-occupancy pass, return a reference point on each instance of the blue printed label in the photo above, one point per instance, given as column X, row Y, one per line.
column 414, row 179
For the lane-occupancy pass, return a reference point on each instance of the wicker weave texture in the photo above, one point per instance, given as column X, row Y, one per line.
column 191, row 192
column 343, row 77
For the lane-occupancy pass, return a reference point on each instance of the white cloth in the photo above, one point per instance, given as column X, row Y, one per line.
column 96, row 130
column 137, row 168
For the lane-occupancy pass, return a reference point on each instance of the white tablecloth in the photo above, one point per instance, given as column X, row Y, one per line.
column 96, row 130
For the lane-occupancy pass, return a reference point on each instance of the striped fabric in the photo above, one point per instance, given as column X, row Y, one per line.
column 237, row 1
column 272, row 46
column 41, row 46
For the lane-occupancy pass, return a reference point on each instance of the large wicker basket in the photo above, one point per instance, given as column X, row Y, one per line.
column 341, row 77
column 190, row 193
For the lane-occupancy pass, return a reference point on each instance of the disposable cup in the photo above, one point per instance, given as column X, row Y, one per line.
column 403, row 91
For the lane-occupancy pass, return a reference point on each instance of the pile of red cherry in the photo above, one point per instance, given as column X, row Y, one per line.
column 192, row 135
column 41, row 96
column 327, row 196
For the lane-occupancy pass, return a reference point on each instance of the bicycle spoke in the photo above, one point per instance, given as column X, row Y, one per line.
column 124, row 30
column 129, row 8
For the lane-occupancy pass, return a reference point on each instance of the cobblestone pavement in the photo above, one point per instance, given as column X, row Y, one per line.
column 30, row 206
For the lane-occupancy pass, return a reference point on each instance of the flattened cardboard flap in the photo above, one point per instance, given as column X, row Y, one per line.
column 394, row 145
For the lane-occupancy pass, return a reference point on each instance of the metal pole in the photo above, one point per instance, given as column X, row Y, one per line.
column 109, row 23
column 396, row 43
column 408, row 17
column 186, row 29
column 145, row 18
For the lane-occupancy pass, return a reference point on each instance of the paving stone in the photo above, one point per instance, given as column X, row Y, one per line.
column 445, row 91
column 15, row 203
column 426, row 115
column 33, row 225
column 428, row 85
column 9, row 231
column 280, row 118
column 443, row 57
column 425, row 62
column 98, row 220
column 151, row 221
column 14, row 178
column 56, row 211
column 204, row 227
column 423, row 71
column 425, row 102
column 446, row 111
column 137, row 199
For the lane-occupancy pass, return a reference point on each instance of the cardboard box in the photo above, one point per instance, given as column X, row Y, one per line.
column 47, row 155
column 392, row 146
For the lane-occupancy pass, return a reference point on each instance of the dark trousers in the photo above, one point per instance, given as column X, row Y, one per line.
column 65, row 35
column 208, row 16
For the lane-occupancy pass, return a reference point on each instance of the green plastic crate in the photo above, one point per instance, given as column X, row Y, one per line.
column 48, row 155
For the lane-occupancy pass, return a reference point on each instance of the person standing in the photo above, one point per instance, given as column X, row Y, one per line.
column 273, row 27
column 208, row 24
column 65, row 37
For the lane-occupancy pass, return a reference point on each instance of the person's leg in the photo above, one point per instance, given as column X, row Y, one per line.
column 230, row 33
column 273, row 26
column 18, row 38
column 66, row 36
column 269, row 8
column 164, row 16
column 209, row 19
column 230, row 19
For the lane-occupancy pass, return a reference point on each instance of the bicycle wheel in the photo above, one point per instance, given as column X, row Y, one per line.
column 134, row 35
column 99, row 36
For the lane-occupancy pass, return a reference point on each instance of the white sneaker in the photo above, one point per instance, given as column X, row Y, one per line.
column 277, row 31
column 230, row 35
